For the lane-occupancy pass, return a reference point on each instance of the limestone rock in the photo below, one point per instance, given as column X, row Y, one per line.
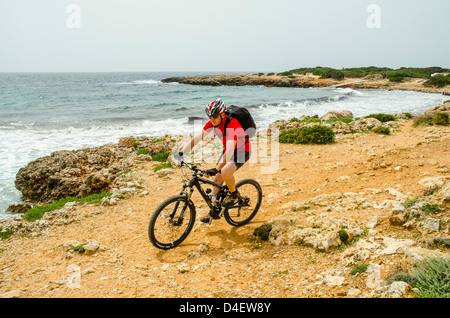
column 337, row 114
column 82, row 172
column 432, row 182
column 395, row 290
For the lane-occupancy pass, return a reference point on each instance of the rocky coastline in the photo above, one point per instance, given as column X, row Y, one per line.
column 306, row 81
column 376, row 188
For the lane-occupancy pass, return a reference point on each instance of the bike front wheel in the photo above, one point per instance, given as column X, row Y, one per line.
column 171, row 222
column 247, row 206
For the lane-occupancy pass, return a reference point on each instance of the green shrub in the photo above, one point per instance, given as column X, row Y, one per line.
column 403, row 277
column 142, row 151
column 442, row 241
column 311, row 120
column 396, row 77
column 343, row 235
column 437, row 118
column 423, row 120
column 382, row 130
column 263, row 231
column 441, row 119
column 361, row 268
column 382, row 117
column 288, row 73
column 316, row 134
column 5, row 234
column 80, row 249
column 430, row 208
column 334, row 74
column 438, row 81
column 410, row 202
column 433, row 278
column 162, row 156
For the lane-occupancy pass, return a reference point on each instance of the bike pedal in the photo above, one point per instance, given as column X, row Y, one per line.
column 214, row 216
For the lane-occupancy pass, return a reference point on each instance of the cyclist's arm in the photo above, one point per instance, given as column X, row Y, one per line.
column 195, row 140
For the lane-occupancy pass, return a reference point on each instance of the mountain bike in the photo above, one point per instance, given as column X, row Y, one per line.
column 174, row 218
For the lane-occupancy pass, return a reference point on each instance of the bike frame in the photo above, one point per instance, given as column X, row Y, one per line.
column 196, row 181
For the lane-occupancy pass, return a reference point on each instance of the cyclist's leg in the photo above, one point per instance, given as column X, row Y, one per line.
column 219, row 180
column 228, row 175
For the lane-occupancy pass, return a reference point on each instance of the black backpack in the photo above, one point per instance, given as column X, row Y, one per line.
column 244, row 118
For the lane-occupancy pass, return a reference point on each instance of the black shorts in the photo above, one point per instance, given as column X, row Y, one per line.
column 238, row 158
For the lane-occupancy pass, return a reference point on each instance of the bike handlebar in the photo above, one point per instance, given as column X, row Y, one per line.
column 192, row 167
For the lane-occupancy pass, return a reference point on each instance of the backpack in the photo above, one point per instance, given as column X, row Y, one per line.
column 244, row 118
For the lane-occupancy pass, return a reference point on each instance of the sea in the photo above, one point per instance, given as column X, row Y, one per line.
column 44, row 112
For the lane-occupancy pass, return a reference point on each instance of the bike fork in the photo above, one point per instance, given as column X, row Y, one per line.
column 183, row 210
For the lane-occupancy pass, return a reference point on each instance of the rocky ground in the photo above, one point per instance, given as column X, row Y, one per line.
column 360, row 184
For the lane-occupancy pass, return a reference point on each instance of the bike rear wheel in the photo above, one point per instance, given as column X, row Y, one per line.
column 171, row 222
column 247, row 207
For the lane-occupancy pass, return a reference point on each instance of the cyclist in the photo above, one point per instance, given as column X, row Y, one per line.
column 236, row 151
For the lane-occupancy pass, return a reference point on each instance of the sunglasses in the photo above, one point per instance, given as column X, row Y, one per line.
column 214, row 116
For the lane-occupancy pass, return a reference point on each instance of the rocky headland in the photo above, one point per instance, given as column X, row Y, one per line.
column 388, row 193
column 375, row 81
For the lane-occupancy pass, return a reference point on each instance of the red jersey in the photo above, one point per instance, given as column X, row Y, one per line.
column 234, row 132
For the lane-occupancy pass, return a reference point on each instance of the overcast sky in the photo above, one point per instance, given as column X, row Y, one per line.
column 221, row 36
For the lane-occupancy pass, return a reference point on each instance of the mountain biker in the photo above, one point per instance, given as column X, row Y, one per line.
column 237, row 151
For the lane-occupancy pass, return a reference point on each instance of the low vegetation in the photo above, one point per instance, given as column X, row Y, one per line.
column 393, row 75
column 382, row 130
column 359, row 268
column 437, row 118
column 438, row 81
column 431, row 277
column 38, row 211
column 382, row 117
column 316, row 134
column 4, row 234
column 164, row 158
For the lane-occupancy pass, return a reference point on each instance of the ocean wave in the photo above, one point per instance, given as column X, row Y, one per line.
column 148, row 81
column 136, row 82
column 304, row 102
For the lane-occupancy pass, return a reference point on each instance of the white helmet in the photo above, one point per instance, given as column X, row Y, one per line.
column 215, row 107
